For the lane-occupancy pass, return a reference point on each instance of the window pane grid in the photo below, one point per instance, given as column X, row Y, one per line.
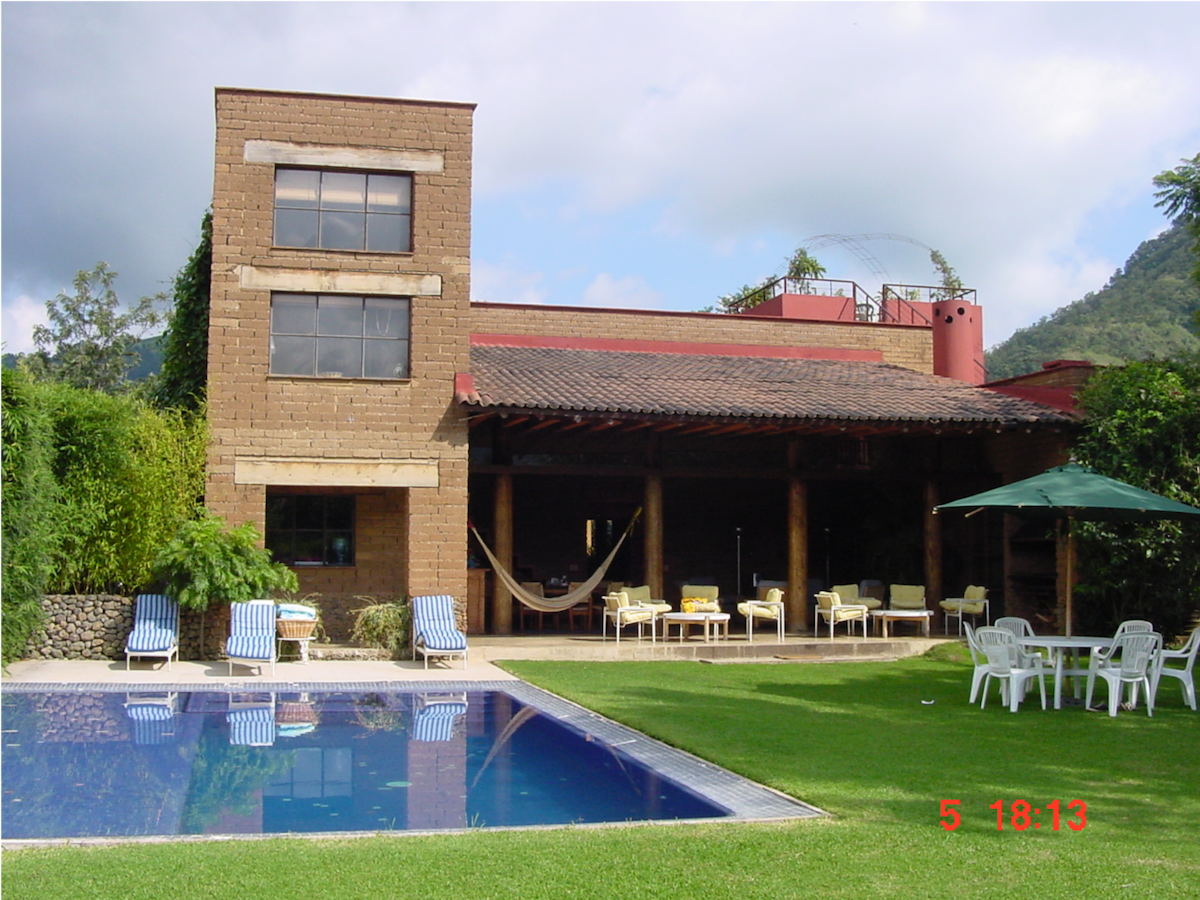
column 311, row 530
column 338, row 210
column 335, row 336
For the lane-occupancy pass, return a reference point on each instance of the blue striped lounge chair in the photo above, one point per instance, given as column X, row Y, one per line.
column 435, row 630
column 155, row 628
column 251, row 634
column 153, row 717
column 434, row 720
column 251, row 720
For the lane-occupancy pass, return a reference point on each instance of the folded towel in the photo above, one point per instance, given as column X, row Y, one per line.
column 295, row 611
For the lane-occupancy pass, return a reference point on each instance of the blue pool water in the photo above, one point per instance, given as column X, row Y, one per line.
column 113, row 764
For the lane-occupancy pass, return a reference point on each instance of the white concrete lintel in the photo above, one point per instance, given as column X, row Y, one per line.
column 311, row 281
column 320, row 472
column 289, row 154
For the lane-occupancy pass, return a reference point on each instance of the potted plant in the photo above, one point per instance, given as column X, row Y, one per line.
column 206, row 563
column 384, row 625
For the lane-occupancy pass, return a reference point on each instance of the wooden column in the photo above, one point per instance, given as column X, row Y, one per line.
column 502, row 599
column 933, row 551
column 653, row 539
column 797, row 531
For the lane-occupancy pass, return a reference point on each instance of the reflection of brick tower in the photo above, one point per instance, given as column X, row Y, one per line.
column 437, row 767
column 958, row 340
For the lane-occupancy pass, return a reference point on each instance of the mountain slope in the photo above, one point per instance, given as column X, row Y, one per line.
column 1147, row 309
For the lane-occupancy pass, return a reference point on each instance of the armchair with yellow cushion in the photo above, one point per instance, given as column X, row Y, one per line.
column 769, row 609
column 849, row 594
column 830, row 606
column 700, row 598
column 621, row 611
column 640, row 595
column 973, row 603
column 907, row 596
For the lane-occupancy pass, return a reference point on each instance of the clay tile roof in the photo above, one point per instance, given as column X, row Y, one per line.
column 692, row 385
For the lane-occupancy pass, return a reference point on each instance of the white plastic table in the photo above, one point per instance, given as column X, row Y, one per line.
column 778, row 621
column 883, row 615
column 1059, row 645
column 712, row 622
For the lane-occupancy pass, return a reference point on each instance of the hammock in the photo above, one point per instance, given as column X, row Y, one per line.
column 554, row 604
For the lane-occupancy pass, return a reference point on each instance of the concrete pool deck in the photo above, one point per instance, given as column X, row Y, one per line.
column 485, row 651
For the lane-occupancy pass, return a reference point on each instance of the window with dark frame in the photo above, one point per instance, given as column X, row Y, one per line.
column 336, row 336
column 311, row 529
column 340, row 210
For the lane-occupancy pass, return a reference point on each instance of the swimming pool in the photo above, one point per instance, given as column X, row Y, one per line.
column 107, row 763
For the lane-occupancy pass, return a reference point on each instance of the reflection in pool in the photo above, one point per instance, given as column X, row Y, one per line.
column 95, row 764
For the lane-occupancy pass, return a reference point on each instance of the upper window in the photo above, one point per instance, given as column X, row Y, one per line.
column 338, row 210
column 334, row 336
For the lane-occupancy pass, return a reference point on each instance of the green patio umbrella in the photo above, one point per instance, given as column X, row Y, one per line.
column 1075, row 492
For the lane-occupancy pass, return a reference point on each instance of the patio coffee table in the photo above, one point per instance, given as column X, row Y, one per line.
column 712, row 622
column 899, row 615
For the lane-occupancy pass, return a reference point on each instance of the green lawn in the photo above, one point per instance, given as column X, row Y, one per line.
column 855, row 739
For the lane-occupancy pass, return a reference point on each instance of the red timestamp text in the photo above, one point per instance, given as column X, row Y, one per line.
column 1023, row 815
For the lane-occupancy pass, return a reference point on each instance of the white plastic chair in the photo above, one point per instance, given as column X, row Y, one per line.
column 621, row 612
column 1187, row 653
column 1131, row 660
column 1133, row 626
column 978, row 658
column 1003, row 665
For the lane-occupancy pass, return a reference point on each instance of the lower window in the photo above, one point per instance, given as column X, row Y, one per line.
column 311, row 529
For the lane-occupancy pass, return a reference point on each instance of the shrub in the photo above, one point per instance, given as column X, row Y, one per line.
column 384, row 625
column 205, row 563
column 30, row 532
column 128, row 476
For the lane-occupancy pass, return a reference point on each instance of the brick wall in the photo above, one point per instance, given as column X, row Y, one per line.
column 901, row 345
column 253, row 414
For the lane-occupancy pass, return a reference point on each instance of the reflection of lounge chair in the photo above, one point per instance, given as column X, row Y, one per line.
column 155, row 628
column 435, row 628
column 436, row 715
column 251, row 719
column 153, row 717
column 251, row 634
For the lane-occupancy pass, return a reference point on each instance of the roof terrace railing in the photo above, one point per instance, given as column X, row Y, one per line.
column 896, row 301
column 861, row 306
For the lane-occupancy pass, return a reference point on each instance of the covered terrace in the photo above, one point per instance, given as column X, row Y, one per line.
column 809, row 471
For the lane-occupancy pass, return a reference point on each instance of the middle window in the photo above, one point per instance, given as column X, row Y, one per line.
column 334, row 336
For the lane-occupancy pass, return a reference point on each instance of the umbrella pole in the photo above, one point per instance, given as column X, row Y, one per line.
column 1070, row 569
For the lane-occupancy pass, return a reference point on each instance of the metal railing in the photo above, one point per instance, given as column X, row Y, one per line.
column 860, row 306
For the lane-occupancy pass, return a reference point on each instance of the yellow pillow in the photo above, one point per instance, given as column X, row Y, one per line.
column 698, row 605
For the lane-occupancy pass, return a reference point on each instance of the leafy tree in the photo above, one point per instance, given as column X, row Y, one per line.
column 800, row 265
column 88, row 341
column 1142, row 425
column 182, row 381
column 1179, row 192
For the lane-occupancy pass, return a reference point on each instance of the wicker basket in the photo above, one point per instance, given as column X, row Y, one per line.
column 296, row 628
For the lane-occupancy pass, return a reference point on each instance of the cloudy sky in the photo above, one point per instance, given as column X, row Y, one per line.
column 651, row 155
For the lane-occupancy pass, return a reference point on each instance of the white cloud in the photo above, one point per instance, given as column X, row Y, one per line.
column 19, row 318
column 630, row 292
column 503, row 284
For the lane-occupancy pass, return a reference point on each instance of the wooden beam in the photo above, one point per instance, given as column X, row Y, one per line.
column 654, row 535
column 502, row 599
column 797, row 533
